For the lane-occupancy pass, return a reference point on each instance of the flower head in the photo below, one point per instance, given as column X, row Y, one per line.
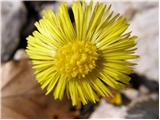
column 85, row 59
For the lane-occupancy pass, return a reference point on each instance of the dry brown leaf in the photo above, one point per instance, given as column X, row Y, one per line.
column 23, row 98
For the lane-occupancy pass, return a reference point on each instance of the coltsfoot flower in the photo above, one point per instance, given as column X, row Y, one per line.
column 83, row 59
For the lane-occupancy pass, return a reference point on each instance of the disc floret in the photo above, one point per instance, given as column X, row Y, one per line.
column 76, row 59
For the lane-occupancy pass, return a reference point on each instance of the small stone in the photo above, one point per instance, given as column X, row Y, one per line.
column 20, row 54
column 106, row 110
column 131, row 93
column 54, row 7
column 143, row 89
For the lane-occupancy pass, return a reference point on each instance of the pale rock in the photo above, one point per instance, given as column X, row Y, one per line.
column 13, row 15
column 145, row 26
column 130, row 8
column 143, row 19
column 144, row 107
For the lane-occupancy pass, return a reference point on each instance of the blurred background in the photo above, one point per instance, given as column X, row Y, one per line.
column 21, row 96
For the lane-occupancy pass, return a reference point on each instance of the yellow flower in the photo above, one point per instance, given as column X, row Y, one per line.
column 85, row 59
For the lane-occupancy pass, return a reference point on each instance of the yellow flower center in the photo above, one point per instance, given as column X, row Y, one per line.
column 76, row 59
